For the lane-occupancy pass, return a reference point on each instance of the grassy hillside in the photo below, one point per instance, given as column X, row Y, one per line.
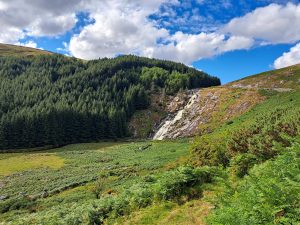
column 243, row 168
column 238, row 97
column 280, row 80
column 14, row 50
column 259, row 151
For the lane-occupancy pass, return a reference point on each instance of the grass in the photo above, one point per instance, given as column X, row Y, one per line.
column 14, row 50
column 282, row 78
column 192, row 212
column 23, row 162
column 231, row 103
column 118, row 165
column 268, row 195
column 210, row 148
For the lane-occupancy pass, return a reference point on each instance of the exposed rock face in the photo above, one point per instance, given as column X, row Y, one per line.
column 171, row 122
column 205, row 110
column 201, row 111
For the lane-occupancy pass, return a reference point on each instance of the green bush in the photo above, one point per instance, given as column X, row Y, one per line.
column 242, row 163
column 210, row 150
column 268, row 195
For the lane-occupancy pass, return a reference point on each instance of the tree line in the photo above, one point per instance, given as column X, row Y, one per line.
column 56, row 100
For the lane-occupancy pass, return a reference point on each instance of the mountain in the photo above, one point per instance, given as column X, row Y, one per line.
column 240, row 165
column 201, row 111
column 14, row 50
column 56, row 100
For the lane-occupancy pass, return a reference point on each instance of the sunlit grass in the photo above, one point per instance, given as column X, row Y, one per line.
column 21, row 162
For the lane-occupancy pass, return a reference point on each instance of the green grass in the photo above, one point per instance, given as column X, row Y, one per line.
column 268, row 195
column 118, row 165
column 211, row 149
column 170, row 213
column 23, row 162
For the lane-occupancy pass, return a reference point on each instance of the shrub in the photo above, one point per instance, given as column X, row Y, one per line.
column 268, row 195
column 242, row 163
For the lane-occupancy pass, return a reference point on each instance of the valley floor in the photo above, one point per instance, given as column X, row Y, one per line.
column 41, row 184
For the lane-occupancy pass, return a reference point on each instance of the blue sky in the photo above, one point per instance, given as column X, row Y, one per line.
column 238, row 64
column 226, row 38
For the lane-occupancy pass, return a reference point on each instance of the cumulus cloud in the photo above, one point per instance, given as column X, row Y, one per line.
column 37, row 18
column 288, row 58
column 123, row 27
column 273, row 23
column 187, row 47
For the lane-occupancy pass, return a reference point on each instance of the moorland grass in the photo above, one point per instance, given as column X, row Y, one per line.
column 117, row 165
column 22, row 162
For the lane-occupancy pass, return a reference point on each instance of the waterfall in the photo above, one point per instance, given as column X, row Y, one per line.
column 170, row 122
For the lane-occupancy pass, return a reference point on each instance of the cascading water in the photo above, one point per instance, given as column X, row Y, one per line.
column 167, row 124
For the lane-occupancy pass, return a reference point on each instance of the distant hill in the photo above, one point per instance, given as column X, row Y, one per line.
column 14, row 50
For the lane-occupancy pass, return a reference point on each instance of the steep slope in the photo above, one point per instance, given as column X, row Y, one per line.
column 14, row 50
column 56, row 100
column 206, row 109
column 280, row 80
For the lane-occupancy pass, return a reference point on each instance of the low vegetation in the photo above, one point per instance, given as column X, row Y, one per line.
column 225, row 104
column 20, row 51
column 13, row 163
column 96, row 173
column 254, row 136
column 268, row 195
column 259, row 154
column 282, row 80
column 243, row 168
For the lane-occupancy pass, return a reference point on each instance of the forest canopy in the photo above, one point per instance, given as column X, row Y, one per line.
column 55, row 100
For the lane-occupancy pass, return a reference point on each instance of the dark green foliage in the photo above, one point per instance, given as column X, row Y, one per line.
column 55, row 100
column 268, row 195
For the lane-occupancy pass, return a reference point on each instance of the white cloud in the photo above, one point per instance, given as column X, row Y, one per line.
column 123, row 27
column 288, row 58
column 187, row 48
column 37, row 18
column 273, row 23
column 10, row 34
column 120, row 27
column 30, row 44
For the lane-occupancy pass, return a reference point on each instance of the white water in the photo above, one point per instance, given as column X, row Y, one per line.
column 164, row 129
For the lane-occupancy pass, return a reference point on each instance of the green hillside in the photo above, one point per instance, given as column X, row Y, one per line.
column 282, row 79
column 259, row 152
column 14, row 50
column 242, row 168
column 54, row 100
